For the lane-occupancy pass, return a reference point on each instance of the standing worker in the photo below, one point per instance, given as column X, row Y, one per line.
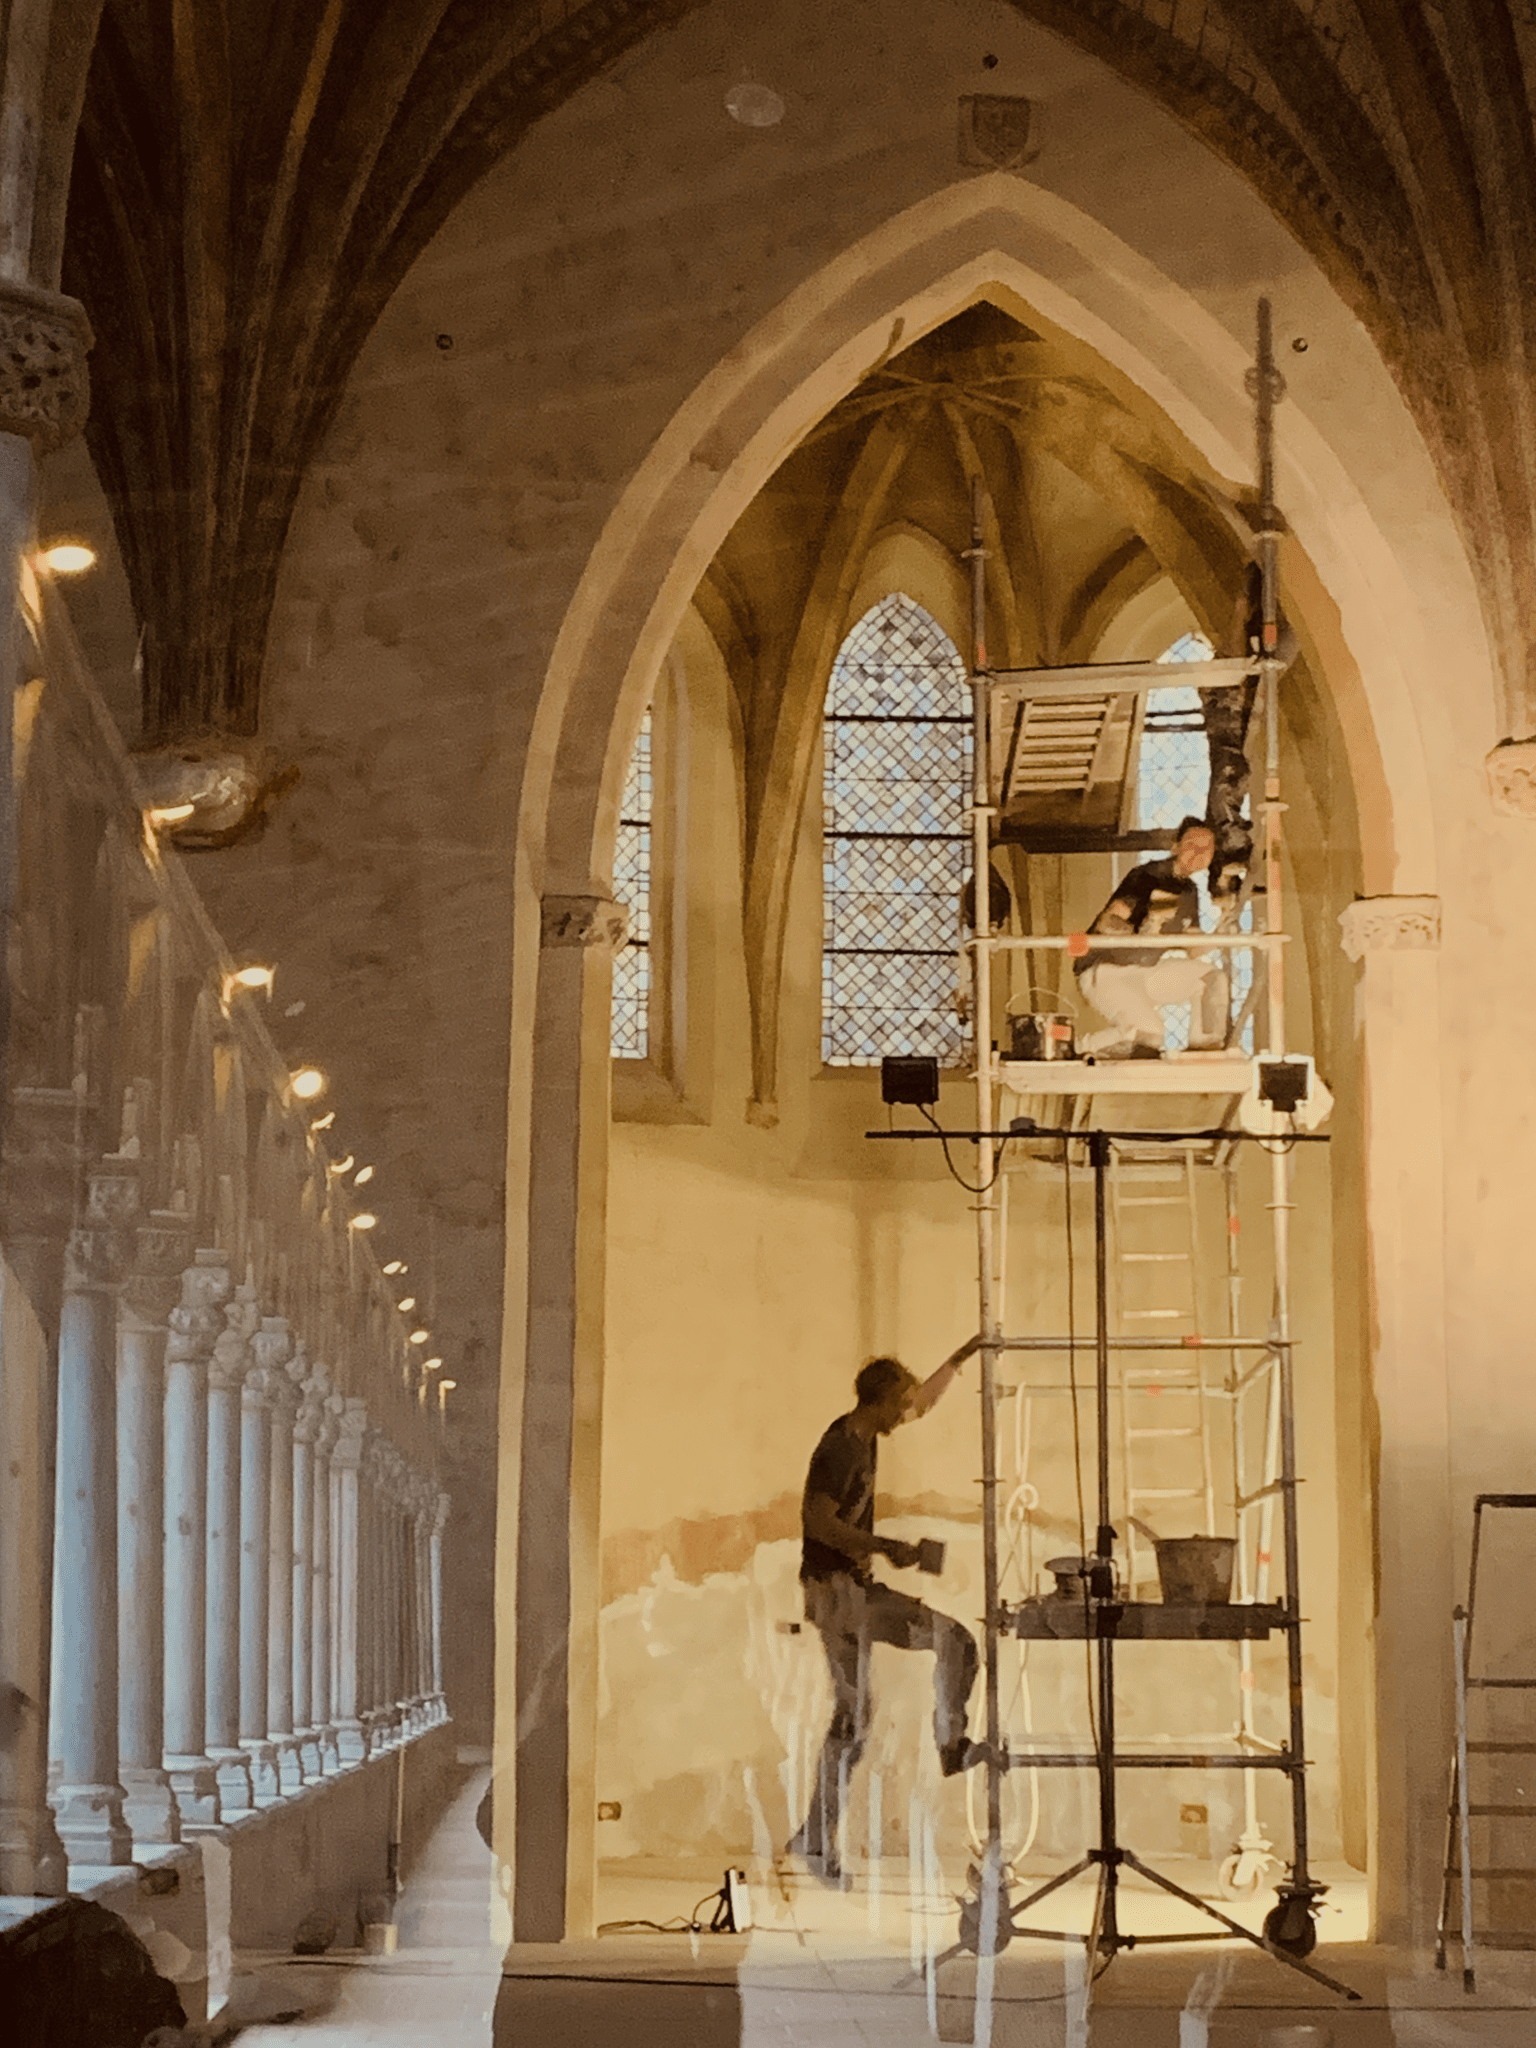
column 851, row 1610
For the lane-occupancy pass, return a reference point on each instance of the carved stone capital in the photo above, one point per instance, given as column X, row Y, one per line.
column 154, row 1287
column 45, row 389
column 352, row 1428
column 1378, row 924
column 197, row 1319
column 582, row 921
column 256, row 1388
column 271, row 1345
column 1511, row 772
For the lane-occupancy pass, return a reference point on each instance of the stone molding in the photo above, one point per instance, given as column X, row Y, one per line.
column 352, row 1425
column 1399, row 924
column 1511, row 772
column 45, row 389
column 154, row 1287
column 582, row 921
column 231, row 1354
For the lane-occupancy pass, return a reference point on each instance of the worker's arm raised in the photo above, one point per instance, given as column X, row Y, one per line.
column 823, row 1524
column 937, row 1382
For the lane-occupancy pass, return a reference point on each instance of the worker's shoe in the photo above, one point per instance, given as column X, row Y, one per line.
column 960, row 1755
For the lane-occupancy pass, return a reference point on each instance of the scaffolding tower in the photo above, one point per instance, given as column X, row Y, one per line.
column 1038, row 730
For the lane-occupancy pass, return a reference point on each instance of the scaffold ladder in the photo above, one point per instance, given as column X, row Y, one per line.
column 1165, row 1419
column 1487, row 1760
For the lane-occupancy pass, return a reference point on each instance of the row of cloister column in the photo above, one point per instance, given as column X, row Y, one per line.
column 247, row 1582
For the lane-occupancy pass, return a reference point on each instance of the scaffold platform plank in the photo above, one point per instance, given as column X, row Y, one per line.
column 1167, row 1076
column 1053, row 1618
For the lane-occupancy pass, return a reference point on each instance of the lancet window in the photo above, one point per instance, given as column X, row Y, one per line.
column 630, row 1025
column 897, row 763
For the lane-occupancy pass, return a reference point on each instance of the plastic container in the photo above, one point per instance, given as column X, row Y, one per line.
column 1196, row 1571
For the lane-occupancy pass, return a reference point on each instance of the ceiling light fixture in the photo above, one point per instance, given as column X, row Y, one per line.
column 307, row 1083
column 430, row 1364
column 364, row 1221
column 323, row 1123
column 420, row 1337
column 341, row 1166
column 68, row 557
column 363, row 1175
column 754, row 106
column 395, row 1266
column 407, row 1305
column 161, row 815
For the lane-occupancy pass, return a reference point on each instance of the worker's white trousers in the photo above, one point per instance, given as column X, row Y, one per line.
column 1132, row 999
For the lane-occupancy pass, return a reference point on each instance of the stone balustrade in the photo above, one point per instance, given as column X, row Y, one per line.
column 224, row 1451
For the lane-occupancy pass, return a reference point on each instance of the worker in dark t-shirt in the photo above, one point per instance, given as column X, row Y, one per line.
column 851, row 1610
column 1129, row 985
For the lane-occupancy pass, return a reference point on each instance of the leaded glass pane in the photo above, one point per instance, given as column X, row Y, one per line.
column 897, row 763
column 629, row 1034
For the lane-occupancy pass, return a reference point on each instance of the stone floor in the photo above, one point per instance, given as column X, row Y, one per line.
column 836, row 1970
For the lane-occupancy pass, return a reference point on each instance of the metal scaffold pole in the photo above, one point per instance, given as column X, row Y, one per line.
column 989, row 1325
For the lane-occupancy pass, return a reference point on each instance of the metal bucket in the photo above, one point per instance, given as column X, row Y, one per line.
column 1196, row 1571
column 1041, row 1035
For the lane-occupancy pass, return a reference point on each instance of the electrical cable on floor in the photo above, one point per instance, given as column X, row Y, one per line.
column 676, row 1925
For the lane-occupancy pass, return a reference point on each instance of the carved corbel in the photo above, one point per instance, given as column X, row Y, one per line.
column 1378, row 924
column 231, row 1354
column 1511, row 772
column 45, row 389
column 154, row 1286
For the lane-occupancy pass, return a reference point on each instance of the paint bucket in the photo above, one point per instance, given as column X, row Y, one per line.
column 1041, row 1035
column 1196, row 1571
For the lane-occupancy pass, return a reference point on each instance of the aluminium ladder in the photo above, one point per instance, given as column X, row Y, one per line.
column 1493, row 1758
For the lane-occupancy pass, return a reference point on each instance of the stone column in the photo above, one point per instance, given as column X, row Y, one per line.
column 549, row 1595
column 285, row 1368
column 196, row 1326
column 392, row 1691
column 423, row 1499
column 306, row 1429
column 88, row 1804
column 322, row 1668
column 255, row 1568
column 227, row 1369
column 1407, row 1405
column 32, row 1859
column 346, row 1460
column 153, row 1290
column 439, row 1704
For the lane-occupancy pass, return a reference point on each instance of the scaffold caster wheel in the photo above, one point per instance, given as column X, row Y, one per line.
column 1242, row 1874
column 1290, row 1926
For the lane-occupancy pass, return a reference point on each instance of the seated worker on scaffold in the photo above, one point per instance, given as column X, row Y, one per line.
column 1129, row 986
column 851, row 1611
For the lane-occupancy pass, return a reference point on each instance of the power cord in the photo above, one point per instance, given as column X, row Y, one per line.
column 971, row 1187
column 677, row 1924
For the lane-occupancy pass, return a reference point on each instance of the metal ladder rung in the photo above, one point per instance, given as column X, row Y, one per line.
column 1169, row 1493
column 1502, row 1684
column 1151, row 1201
column 1154, row 1258
column 1495, row 1809
column 1162, row 1432
column 1154, row 1315
column 1174, row 1382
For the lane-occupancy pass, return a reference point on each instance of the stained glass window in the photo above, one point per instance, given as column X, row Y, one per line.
column 895, row 789
column 629, row 1032
column 1173, row 776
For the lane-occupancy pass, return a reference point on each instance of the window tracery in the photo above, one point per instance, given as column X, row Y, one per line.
column 896, row 775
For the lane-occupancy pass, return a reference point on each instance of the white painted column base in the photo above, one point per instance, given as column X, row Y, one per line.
column 150, row 1806
column 232, row 1768
column 197, row 1791
column 91, row 1826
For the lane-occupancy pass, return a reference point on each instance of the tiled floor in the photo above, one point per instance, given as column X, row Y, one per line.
column 836, row 1970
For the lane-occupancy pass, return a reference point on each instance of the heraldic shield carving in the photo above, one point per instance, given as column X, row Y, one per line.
column 994, row 132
